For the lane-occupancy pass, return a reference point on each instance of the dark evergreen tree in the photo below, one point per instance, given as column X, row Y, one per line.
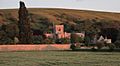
column 25, row 35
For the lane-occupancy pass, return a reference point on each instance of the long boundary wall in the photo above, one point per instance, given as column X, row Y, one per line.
column 34, row 47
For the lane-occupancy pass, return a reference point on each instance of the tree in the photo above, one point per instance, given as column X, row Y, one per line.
column 76, row 39
column 25, row 34
column 4, row 39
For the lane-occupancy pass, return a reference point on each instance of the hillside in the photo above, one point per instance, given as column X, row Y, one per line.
column 68, row 17
column 59, row 15
column 42, row 21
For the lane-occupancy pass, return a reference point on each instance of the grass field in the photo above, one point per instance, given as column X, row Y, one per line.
column 59, row 58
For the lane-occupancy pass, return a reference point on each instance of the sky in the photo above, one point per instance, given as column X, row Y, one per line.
column 97, row 5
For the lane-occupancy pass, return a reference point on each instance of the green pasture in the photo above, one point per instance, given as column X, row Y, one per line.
column 59, row 58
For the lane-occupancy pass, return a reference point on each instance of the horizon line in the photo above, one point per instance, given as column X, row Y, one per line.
column 65, row 8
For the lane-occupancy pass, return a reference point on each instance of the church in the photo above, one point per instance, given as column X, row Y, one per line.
column 60, row 33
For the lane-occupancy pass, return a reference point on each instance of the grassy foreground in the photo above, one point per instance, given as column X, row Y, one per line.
column 59, row 58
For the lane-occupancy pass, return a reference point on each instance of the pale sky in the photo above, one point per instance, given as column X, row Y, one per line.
column 98, row 5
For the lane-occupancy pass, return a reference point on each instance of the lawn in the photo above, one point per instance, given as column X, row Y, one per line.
column 59, row 58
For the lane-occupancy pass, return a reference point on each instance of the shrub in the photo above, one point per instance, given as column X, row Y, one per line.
column 48, row 41
column 63, row 41
column 117, row 43
column 37, row 39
